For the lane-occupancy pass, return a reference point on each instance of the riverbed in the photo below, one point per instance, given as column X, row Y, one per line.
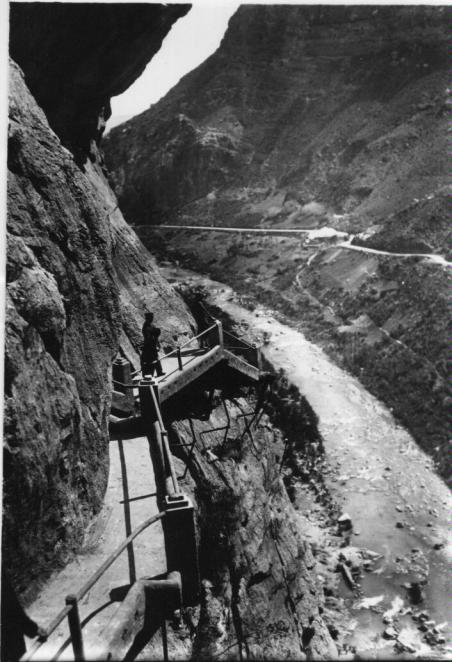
column 398, row 506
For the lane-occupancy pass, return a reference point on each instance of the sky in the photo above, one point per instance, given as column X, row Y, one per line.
column 191, row 40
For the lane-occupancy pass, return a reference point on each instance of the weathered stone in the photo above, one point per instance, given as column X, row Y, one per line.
column 85, row 59
column 78, row 279
column 262, row 594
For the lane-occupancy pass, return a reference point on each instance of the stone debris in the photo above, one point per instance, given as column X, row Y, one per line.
column 367, row 603
column 395, row 608
column 345, row 522
column 347, row 575
column 390, row 633
column 415, row 592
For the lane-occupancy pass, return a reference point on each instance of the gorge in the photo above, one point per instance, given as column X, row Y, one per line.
column 308, row 117
column 280, row 566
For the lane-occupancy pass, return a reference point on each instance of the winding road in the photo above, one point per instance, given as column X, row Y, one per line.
column 313, row 233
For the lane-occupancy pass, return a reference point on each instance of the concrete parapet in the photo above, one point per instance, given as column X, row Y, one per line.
column 181, row 545
column 147, row 604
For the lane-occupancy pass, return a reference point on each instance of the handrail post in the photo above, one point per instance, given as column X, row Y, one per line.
column 259, row 358
column 181, row 545
column 220, row 333
column 179, row 358
column 147, row 407
column 121, row 374
column 75, row 628
column 172, row 485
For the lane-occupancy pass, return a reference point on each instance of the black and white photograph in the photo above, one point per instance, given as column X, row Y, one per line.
column 225, row 287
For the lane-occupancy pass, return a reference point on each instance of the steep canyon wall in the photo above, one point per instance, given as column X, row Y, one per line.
column 78, row 279
column 342, row 105
column 78, row 283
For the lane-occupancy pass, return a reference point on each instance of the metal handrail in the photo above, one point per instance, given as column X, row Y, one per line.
column 174, row 351
column 166, row 448
column 177, row 349
column 244, row 342
column 88, row 585
column 186, row 363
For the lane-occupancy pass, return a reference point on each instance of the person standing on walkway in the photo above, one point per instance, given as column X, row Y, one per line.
column 151, row 344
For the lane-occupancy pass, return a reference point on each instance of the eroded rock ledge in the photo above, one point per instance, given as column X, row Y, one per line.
column 74, row 58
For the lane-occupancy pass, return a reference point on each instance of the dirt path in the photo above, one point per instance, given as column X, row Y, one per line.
column 129, row 500
column 312, row 233
column 399, row 507
column 436, row 259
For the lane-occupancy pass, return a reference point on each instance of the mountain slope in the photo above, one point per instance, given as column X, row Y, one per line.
column 309, row 116
column 342, row 105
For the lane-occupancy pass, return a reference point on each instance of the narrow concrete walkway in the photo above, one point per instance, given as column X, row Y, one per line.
column 129, row 500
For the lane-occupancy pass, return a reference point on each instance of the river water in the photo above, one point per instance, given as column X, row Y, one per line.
column 399, row 507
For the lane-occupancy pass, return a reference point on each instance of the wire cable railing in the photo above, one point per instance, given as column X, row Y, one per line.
column 72, row 600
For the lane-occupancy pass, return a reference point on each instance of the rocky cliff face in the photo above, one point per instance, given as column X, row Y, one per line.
column 78, row 279
column 344, row 106
column 261, row 597
column 85, row 58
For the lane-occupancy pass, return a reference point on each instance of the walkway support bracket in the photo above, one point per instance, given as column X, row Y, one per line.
column 181, row 545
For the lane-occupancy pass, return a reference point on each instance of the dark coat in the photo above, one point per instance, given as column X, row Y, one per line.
column 151, row 342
